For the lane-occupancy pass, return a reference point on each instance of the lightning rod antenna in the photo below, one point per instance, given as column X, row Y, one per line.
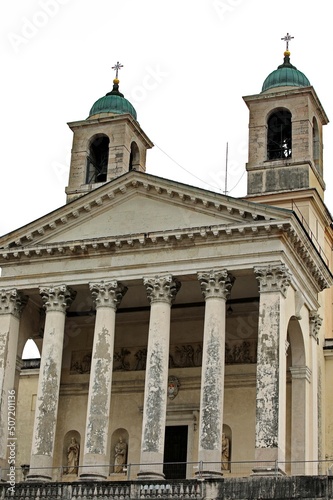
column 226, row 170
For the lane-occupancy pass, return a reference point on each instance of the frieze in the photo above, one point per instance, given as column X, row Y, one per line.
column 81, row 362
column 240, row 352
column 180, row 356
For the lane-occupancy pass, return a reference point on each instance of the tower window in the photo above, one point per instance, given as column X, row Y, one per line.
column 279, row 135
column 134, row 157
column 97, row 160
column 316, row 144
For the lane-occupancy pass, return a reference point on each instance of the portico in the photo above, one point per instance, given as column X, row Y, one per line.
column 110, row 338
column 160, row 305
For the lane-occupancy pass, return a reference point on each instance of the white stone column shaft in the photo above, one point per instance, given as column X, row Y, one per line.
column 215, row 286
column 107, row 297
column 161, row 291
column 56, row 301
column 11, row 305
column 274, row 281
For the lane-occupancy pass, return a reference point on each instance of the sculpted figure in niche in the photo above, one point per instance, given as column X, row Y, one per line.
column 225, row 452
column 120, row 455
column 73, row 454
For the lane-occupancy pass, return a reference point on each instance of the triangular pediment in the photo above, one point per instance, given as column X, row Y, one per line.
column 138, row 210
column 137, row 213
column 138, row 203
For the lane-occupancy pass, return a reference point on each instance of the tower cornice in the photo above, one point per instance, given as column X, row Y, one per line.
column 124, row 118
column 288, row 92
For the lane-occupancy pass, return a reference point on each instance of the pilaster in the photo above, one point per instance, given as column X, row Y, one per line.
column 300, row 380
column 315, row 323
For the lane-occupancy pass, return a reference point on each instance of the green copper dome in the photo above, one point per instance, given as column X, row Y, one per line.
column 113, row 102
column 285, row 75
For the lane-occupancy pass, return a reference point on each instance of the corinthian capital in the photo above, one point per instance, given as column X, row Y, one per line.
column 273, row 278
column 12, row 302
column 315, row 323
column 162, row 288
column 57, row 298
column 107, row 293
column 216, row 283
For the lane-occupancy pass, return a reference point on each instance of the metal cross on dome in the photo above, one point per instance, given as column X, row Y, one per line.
column 117, row 67
column 287, row 39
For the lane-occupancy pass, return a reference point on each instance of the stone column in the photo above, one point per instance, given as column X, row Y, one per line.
column 216, row 287
column 107, row 297
column 161, row 292
column 274, row 281
column 56, row 301
column 11, row 306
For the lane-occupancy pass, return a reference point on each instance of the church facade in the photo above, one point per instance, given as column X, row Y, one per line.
column 184, row 334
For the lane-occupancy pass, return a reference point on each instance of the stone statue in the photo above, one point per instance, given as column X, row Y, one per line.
column 225, row 452
column 120, row 455
column 73, row 454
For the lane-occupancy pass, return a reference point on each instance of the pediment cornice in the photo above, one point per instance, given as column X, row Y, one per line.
column 142, row 239
column 125, row 186
column 204, row 235
column 242, row 220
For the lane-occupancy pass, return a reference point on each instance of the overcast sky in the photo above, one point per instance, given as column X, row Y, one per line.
column 187, row 64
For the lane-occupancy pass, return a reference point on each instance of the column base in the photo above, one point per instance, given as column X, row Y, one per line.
column 38, row 478
column 208, row 474
column 92, row 477
column 150, row 476
column 267, row 471
column 40, row 469
column 94, row 467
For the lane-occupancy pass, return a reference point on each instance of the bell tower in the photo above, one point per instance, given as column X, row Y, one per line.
column 285, row 157
column 108, row 144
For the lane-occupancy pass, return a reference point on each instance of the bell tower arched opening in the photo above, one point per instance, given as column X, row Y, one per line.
column 134, row 157
column 97, row 159
column 107, row 144
column 285, row 146
column 279, row 140
column 316, row 150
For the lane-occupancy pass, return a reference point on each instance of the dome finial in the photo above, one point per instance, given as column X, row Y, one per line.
column 286, row 75
column 287, row 39
column 113, row 102
column 117, row 67
column 115, row 88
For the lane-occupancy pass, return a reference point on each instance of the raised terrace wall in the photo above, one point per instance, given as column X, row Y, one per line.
column 253, row 488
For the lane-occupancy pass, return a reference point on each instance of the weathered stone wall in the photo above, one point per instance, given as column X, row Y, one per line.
column 277, row 488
